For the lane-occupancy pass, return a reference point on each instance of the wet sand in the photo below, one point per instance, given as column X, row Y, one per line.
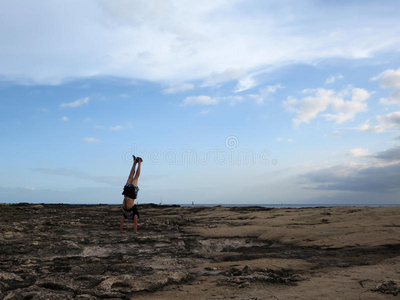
column 77, row 252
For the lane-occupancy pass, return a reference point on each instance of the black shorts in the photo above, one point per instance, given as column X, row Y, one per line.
column 130, row 191
column 130, row 213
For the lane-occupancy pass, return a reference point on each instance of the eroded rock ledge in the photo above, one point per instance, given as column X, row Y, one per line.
column 77, row 252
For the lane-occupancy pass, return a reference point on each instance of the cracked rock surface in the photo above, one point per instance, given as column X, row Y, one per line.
column 77, row 252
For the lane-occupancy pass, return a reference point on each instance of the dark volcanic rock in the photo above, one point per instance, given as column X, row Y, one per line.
column 77, row 252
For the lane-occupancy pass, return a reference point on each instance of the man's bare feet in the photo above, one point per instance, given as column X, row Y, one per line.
column 122, row 231
column 139, row 159
column 134, row 158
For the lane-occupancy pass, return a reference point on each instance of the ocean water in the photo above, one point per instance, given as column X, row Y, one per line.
column 229, row 205
column 294, row 205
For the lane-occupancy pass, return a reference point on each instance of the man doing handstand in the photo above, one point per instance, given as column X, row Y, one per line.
column 131, row 189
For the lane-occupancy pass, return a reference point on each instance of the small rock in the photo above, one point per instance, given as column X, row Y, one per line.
column 18, row 228
column 85, row 297
column 3, row 287
column 8, row 235
column 387, row 287
column 234, row 272
column 246, row 270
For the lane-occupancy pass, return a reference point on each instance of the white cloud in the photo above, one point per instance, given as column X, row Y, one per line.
column 343, row 110
column 91, row 140
column 207, row 100
column 359, row 152
column 366, row 126
column 76, row 103
column 113, row 128
column 391, row 120
column 388, row 121
column 309, row 107
column 216, row 78
column 116, row 128
column 28, row 188
column 246, row 83
column 281, row 139
column 199, row 100
column 231, row 99
column 65, row 119
column 333, row 78
column 393, row 99
column 178, row 87
column 170, row 41
column 265, row 92
column 346, row 110
column 390, row 79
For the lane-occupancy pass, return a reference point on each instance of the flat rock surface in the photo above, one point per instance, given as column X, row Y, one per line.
column 77, row 252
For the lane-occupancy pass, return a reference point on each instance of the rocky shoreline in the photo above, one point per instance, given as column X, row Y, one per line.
column 55, row 251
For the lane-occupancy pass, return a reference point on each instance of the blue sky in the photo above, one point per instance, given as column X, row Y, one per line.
column 228, row 102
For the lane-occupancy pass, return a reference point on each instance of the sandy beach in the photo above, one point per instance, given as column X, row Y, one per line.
column 77, row 252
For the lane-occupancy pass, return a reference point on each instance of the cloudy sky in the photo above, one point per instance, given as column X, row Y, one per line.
column 227, row 101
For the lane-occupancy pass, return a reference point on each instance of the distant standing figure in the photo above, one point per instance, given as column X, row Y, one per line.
column 129, row 210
